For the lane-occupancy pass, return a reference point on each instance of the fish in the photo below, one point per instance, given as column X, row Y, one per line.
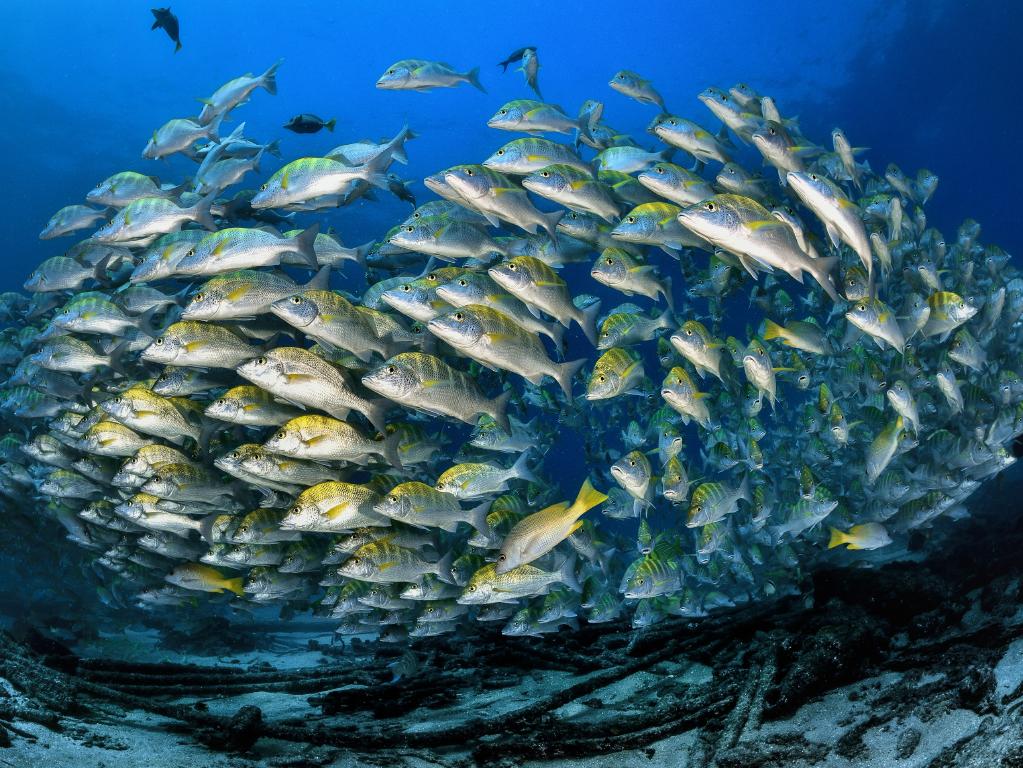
column 308, row 123
column 421, row 75
column 168, row 22
column 538, row 533
column 491, row 338
column 635, row 87
column 236, row 92
column 531, row 69
column 865, row 536
column 535, row 283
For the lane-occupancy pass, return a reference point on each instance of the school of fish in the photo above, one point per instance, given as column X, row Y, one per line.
column 204, row 396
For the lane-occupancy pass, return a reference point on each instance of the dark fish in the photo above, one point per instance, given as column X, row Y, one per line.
column 515, row 56
column 306, row 123
column 400, row 189
column 169, row 23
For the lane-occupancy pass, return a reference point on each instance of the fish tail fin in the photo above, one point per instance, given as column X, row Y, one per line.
column 320, row 281
column 550, row 224
column 213, row 129
column 274, row 147
column 667, row 319
column 201, row 212
column 564, row 374
column 556, row 332
column 206, row 527
column 390, row 449
column 473, row 78
column 177, row 46
column 772, row 330
column 666, row 292
column 375, row 411
column 743, row 492
column 145, row 321
column 587, row 498
column 521, row 470
column 360, row 252
column 235, row 585
column 269, row 78
column 478, row 518
column 566, row 574
column 837, row 538
column 116, row 357
column 821, row 270
column 304, row 244
column 499, row 409
column 329, row 125
column 378, row 180
column 588, row 322
column 443, row 567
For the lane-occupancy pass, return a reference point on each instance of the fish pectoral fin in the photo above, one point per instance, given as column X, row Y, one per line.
column 833, row 234
column 335, row 511
column 294, row 378
column 387, row 565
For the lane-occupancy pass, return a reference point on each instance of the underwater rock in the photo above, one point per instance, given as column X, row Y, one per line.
column 238, row 734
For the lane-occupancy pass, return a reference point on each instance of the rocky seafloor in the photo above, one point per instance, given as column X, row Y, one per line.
column 914, row 663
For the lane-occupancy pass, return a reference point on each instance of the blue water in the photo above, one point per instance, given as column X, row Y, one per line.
column 924, row 84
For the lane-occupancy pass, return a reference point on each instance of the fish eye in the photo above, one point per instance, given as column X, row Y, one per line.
column 261, row 361
column 689, row 331
column 463, row 282
column 159, row 342
column 609, row 261
column 545, row 174
column 861, row 307
column 393, row 499
column 198, row 297
column 621, row 76
column 659, row 168
column 410, row 228
column 502, row 557
column 697, row 508
column 282, row 434
column 772, row 131
column 512, row 266
column 157, row 479
column 673, row 122
column 221, row 401
column 469, row 172
column 813, row 176
column 631, row 219
column 760, row 351
column 391, row 369
column 962, row 305
column 471, row 588
column 296, row 299
column 711, row 207
column 502, row 112
column 406, row 287
column 192, row 251
column 233, row 455
column 500, row 152
column 356, row 560
column 632, row 462
column 265, row 187
column 601, row 377
column 459, row 316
